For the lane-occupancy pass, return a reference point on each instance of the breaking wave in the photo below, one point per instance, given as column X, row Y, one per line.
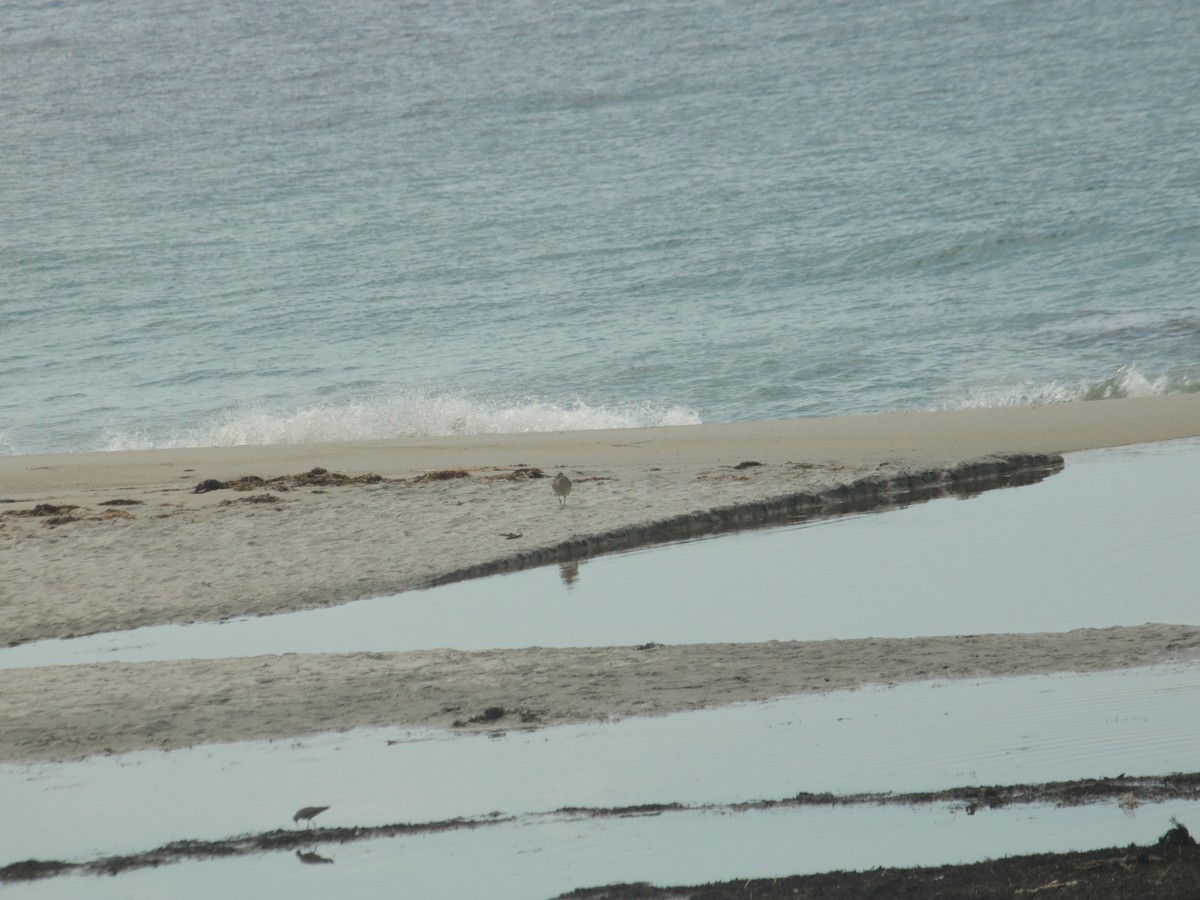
column 406, row 414
column 1127, row 381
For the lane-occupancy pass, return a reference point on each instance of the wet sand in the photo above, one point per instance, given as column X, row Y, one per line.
column 111, row 541
column 59, row 712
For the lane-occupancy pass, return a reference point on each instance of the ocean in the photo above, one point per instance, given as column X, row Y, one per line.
column 230, row 222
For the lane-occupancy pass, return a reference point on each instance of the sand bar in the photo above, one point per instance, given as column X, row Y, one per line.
column 165, row 553
column 917, row 437
column 173, row 555
column 117, row 707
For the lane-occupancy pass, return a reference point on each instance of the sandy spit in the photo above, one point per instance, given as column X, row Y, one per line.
column 109, row 541
column 118, row 707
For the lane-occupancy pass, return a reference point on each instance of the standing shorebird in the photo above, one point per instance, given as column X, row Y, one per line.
column 562, row 487
column 308, row 813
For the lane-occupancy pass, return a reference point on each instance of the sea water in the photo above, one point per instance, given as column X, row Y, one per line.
column 226, row 222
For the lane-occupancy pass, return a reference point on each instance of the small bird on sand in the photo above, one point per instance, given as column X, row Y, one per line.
column 308, row 813
column 562, row 487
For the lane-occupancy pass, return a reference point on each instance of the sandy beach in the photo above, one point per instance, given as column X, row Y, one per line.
column 109, row 541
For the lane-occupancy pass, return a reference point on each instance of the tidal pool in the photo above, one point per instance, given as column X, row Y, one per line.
column 1108, row 541
column 544, row 857
column 911, row 737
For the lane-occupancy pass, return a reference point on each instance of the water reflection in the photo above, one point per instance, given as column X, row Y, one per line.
column 550, row 857
column 569, row 572
column 1109, row 541
column 311, row 857
column 909, row 738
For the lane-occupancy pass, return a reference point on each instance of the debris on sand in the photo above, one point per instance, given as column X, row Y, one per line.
column 316, row 477
column 54, row 515
column 439, row 475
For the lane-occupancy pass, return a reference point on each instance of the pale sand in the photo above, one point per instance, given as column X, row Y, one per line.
column 184, row 557
column 63, row 711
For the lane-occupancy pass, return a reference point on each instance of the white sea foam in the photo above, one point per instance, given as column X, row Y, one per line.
column 409, row 413
column 1127, row 381
column 419, row 412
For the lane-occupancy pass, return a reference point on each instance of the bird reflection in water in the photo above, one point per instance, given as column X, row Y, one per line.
column 569, row 571
column 312, row 858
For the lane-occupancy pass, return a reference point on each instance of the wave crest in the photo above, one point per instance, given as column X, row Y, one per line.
column 406, row 414
column 1127, row 381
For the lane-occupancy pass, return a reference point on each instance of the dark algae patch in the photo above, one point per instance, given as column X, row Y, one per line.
column 316, row 477
column 866, row 494
column 1166, row 870
column 53, row 515
column 1083, row 791
column 323, row 478
column 495, row 714
column 33, row 869
column 281, row 839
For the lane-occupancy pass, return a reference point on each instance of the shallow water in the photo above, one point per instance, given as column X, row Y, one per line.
column 1108, row 541
column 1105, row 541
column 913, row 737
column 542, row 858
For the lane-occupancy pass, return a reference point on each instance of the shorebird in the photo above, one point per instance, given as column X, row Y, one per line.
column 562, row 487
column 308, row 813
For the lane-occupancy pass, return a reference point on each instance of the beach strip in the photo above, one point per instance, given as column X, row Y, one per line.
column 99, row 542
column 61, row 712
column 111, row 541
column 921, row 438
